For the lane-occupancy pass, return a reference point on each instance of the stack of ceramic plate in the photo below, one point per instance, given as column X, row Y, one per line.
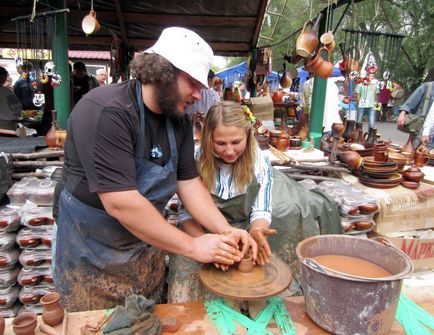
column 379, row 174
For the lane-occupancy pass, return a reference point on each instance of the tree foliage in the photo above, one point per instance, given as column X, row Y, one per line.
column 412, row 18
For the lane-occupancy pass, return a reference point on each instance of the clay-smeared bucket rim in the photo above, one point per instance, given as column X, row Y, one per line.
column 315, row 266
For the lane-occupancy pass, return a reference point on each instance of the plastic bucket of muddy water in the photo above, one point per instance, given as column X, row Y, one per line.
column 344, row 302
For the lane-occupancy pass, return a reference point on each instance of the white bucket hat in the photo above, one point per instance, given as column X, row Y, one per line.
column 186, row 50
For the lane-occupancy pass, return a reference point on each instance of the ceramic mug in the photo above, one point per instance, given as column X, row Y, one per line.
column 420, row 159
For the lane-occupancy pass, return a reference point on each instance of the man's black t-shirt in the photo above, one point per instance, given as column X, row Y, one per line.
column 103, row 133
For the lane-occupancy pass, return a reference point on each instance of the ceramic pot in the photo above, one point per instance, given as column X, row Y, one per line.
column 284, row 78
column 351, row 158
column 277, row 96
column 349, row 129
column 60, row 138
column 262, row 141
column 246, row 264
column 307, row 41
column 25, row 323
column 420, row 159
column 413, row 174
column 52, row 312
column 371, row 136
column 50, row 136
column 325, row 68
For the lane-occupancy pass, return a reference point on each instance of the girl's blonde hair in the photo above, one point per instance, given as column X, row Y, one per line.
column 228, row 114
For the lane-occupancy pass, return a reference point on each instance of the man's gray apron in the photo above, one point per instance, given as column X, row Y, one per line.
column 296, row 214
column 97, row 261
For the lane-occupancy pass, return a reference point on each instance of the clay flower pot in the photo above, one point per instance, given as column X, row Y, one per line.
column 25, row 323
column 52, row 312
column 246, row 264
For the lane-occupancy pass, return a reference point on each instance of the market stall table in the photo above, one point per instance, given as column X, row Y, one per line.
column 196, row 322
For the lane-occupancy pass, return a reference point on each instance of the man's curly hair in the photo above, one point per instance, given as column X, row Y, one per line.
column 153, row 69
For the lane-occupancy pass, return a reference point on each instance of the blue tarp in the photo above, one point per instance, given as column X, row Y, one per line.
column 238, row 72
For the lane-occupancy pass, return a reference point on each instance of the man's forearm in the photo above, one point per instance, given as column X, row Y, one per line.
column 143, row 220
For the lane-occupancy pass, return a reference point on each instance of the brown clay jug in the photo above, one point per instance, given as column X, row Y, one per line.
column 349, row 129
column 307, row 41
column 351, row 158
column 284, row 79
column 50, row 136
column 52, row 312
column 325, row 68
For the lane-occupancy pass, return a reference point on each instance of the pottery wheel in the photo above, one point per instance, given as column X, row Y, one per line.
column 262, row 282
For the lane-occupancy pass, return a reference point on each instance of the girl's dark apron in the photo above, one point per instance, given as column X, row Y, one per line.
column 296, row 215
column 97, row 261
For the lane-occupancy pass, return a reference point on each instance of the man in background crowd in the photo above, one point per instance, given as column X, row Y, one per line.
column 10, row 106
column 82, row 81
column 23, row 87
column 101, row 75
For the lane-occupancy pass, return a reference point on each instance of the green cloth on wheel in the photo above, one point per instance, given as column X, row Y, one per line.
column 134, row 318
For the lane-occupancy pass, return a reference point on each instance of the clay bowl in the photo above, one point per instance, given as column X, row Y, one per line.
column 367, row 151
column 25, row 323
column 409, row 184
column 368, row 208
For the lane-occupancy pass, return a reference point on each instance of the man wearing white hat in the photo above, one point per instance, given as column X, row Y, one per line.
column 129, row 149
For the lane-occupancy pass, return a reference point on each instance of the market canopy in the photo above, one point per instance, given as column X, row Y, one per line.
column 231, row 28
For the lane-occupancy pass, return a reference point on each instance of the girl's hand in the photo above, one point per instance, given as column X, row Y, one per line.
column 260, row 236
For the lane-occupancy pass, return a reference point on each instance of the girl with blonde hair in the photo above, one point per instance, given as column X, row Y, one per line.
column 277, row 211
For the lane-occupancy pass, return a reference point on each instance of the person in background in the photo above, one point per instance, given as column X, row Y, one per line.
column 129, row 149
column 10, row 106
column 419, row 103
column 383, row 99
column 23, row 87
column 331, row 106
column 101, row 75
column 8, row 83
column 209, row 98
column 277, row 211
column 366, row 94
column 427, row 138
column 82, row 81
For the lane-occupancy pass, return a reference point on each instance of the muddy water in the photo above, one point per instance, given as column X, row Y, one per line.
column 352, row 266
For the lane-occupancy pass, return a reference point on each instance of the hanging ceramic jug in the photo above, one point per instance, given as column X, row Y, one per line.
column 328, row 40
column 307, row 41
column 50, row 136
column 325, row 68
column 52, row 312
column 284, row 78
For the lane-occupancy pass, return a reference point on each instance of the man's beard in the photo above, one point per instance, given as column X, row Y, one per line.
column 167, row 99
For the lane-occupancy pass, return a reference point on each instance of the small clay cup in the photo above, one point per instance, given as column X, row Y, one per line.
column 25, row 323
column 246, row 264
